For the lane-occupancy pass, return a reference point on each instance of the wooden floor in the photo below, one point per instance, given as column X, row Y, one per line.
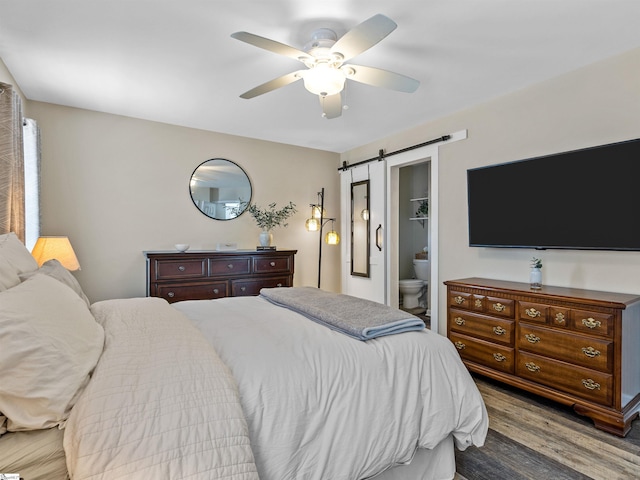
column 534, row 438
column 420, row 313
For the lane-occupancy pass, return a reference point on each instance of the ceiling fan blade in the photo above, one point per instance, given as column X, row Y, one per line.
column 363, row 36
column 272, row 85
column 381, row 78
column 331, row 106
column 271, row 45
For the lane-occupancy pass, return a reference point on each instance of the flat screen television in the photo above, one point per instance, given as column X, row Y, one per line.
column 585, row 199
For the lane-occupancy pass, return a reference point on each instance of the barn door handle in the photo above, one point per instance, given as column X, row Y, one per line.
column 378, row 238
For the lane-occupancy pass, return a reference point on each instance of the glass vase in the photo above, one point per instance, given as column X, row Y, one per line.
column 535, row 278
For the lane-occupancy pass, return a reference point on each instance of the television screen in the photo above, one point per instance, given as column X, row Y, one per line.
column 583, row 199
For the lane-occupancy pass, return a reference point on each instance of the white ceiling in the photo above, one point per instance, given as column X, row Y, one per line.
column 175, row 62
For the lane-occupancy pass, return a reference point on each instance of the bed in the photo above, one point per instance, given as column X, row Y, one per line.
column 235, row 388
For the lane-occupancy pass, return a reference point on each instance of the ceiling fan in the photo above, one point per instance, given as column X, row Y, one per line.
column 325, row 56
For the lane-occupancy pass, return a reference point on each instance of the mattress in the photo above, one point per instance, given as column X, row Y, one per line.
column 321, row 405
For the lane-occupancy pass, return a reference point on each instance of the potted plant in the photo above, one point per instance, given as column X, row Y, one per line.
column 269, row 218
column 535, row 275
column 423, row 209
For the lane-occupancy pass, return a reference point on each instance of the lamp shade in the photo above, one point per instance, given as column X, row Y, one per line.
column 324, row 80
column 332, row 238
column 47, row 248
column 312, row 225
column 318, row 212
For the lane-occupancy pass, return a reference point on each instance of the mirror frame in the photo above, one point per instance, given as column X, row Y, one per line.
column 236, row 211
column 357, row 224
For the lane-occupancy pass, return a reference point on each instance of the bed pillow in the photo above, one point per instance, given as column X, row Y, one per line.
column 37, row 454
column 14, row 251
column 54, row 269
column 8, row 275
column 50, row 345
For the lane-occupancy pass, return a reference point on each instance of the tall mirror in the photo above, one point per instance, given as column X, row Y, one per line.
column 220, row 189
column 360, row 228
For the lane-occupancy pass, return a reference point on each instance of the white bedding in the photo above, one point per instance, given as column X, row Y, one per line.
column 321, row 405
column 160, row 404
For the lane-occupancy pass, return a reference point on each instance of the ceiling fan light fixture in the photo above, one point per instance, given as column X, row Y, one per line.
column 324, row 80
column 324, row 56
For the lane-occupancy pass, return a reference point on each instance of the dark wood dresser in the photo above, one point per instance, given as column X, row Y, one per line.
column 198, row 275
column 577, row 347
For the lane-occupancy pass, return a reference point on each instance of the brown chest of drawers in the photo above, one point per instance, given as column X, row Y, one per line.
column 577, row 347
column 201, row 275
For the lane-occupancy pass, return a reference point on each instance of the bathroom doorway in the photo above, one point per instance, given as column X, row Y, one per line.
column 414, row 239
column 399, row 210
column 430, row 154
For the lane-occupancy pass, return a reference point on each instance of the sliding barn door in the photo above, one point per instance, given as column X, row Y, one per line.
column 362, row 193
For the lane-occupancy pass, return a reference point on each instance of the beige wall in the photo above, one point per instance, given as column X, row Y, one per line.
column 595, row 105
column 118, row 186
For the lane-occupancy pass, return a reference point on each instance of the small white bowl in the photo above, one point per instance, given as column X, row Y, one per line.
column 182, row 247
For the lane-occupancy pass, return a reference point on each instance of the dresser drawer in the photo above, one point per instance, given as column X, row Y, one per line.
column 533, row 312
column 175, row 269
column 241, row 288
column 590, row 352
column 468, row 301
column 271, row 265
column 197, row 291
column 582, row 382
column 489, row 328
column 229, row 266
column 592, row 322
column 499, row 306
column 559, row 316
column 497, row 357
column 460, row 299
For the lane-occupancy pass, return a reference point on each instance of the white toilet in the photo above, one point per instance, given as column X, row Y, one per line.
column 414, row 290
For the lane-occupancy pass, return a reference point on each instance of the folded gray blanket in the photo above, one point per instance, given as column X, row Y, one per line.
column 359, row 318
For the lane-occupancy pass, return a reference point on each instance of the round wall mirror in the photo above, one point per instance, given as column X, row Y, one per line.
column 220, row 189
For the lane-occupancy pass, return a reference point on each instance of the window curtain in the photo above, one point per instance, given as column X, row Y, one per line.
column 31, row 134
column 12, row 207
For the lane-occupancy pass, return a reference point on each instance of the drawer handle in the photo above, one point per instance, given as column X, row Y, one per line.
column 273, row 264
column 590, row 384
column 182, row 268
column 243, row 288
column 532, row 367
column 230, row 266
column 478, row 303
column 279, row 285
column 560, row 318
column 459, row 321
column 590, row 352
column 498, row 307
column 459, row 300
column 171, row 294
column 216, row 291
column 591, row 323
column 460, row 345
column 532, row 312
column 499, row 357
column 531, row 338
column 499, row 330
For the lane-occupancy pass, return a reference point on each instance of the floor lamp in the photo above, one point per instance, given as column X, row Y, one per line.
column 316, row 223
